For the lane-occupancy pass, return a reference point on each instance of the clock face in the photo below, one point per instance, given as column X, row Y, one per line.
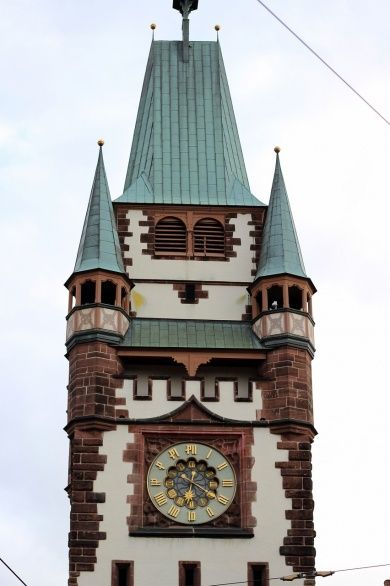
column 191, row 483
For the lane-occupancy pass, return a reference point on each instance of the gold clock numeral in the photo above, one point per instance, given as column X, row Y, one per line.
column 169, row 483
column 179, row 501
column 173, row 453
column 180, row 466
column 210, row 473
column 222, row 466
column 209, row 454
column 155, row 482
column 223, row 499
column 191, row 449
column 174, row 511
column 191, row 516
column 191, row 505
column 172, row 493
column 227, row 482
column 160, row 499
column 191, row 464
column 210, row 512
column 213, row 484
column 160, row 466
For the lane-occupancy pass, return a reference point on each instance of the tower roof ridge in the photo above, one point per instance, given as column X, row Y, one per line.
column 281, row 252
column 99, row 244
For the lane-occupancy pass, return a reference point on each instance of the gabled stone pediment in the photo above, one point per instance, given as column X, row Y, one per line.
column 191, row 411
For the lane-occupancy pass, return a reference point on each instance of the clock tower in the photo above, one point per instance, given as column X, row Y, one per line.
column 189, row 340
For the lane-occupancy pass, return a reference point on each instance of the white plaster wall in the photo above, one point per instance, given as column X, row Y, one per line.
column 161, row 301
column 144, row 267
column 156, row 559
column 226, row 406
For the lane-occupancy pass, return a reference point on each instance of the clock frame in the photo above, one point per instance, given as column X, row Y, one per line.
column 191, row 483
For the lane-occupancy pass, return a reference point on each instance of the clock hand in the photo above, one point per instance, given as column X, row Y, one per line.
column 209, row 493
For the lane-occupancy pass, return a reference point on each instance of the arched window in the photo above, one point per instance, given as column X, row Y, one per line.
column 108, row 292
column 209, row 238
column 170, row 236
column 275, row 297
column 295, row 297
column 88, row 292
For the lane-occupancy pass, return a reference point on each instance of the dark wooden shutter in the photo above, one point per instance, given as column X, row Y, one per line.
column 170, row 236
column 209, row 238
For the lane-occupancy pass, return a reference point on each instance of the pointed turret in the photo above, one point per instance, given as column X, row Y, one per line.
column 99, row 287
column 281, row 291
column 280, row 252
column 99, row 244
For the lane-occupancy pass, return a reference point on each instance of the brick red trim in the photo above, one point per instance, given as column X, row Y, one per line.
column 298, row 544
column 84, row 535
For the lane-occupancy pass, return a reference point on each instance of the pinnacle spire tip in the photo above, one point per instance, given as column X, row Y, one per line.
column 277, row 150
column 100, row 142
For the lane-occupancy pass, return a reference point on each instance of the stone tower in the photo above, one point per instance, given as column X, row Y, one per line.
column 189, row 340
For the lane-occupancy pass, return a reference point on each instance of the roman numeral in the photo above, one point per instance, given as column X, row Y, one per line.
column 223, row 499
column 155, row 482
column 174, row 511
column 227, row 482
column 210, row 512
column 160, row 466
column 222, row 466
column 160, row 499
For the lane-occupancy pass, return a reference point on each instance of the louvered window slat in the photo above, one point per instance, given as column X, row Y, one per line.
column 170, row 236
column 209, row 237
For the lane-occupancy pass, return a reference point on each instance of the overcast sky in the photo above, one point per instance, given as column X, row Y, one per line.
column 70, row 73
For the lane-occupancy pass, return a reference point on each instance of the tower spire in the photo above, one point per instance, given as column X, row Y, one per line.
column 185, row 7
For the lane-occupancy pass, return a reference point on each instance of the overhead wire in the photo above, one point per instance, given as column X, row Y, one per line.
column 12, row 572
column 301, row 575
column 323, row 62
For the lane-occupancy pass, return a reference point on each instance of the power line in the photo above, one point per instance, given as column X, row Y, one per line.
column 306, row 575
column 323, row 62
column 14, row 573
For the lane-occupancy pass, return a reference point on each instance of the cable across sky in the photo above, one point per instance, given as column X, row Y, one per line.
column 323, row 61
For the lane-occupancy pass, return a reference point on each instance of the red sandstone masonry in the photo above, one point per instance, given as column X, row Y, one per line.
column 84, row 535
column 93, row 368
column 287, row 388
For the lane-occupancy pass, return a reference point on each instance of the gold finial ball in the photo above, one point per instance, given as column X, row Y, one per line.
column 217, row 27
column 277, row 150
column 100, row 142
column 153, row 26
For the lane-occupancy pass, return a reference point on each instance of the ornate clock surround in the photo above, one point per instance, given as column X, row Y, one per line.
column 234, row 442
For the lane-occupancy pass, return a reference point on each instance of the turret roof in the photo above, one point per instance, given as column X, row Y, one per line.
column 99, row 244
column 186, row 148
column 280, row 252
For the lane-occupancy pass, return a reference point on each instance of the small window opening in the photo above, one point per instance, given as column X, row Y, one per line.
column 257, row 574
column 295, row 297
column 170, row 236
column 259, row 301
column 189, row 574
column 189, row 293
column 275, row 297
column 108, row 293
column 209, row 238
column 122, row 573
column 88, row 292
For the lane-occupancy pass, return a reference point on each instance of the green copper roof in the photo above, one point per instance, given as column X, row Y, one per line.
column 99, row 245
column 174, row 333
column 186, row 148
column 280, row 252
